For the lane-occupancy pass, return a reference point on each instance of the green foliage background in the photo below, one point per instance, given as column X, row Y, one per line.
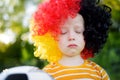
column 20, row 52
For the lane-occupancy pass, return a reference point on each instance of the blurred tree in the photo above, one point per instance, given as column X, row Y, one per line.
column 12, row 17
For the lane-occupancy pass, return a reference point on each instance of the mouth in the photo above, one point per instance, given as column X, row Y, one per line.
column 72, row 46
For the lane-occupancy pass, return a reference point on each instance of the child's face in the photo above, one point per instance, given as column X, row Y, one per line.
column 71, row 40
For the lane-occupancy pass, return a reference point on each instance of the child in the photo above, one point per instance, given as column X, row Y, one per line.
column 67, row 33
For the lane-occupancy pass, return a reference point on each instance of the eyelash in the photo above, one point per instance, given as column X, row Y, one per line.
column 78, row 32
column 63, row 33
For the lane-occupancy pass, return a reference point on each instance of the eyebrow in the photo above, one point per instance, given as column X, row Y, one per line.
column 63, row 27
column 79, row 27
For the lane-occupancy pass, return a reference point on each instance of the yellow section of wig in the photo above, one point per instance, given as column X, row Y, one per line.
column 46, row 48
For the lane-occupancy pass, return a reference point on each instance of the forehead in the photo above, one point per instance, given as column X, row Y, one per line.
column 76, row 21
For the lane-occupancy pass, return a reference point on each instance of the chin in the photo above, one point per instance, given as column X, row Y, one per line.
column 72, row 54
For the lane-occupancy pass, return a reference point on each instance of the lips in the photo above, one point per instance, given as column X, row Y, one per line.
column 72, row 45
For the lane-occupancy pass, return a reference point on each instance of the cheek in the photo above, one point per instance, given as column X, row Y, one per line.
column 81, row 41
column 83, row 45
column 61, row 40
column 62, row 43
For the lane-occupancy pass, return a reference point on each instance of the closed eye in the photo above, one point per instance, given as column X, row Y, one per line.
column 79, row 32
column 62, row 33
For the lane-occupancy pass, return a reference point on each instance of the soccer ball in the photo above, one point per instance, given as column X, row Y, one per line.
column 24, row 73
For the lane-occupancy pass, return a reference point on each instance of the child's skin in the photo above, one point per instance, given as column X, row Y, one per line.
column 71, row 41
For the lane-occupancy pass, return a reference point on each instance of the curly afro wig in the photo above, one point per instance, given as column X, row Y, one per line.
column 46, row 22
column 97, row 21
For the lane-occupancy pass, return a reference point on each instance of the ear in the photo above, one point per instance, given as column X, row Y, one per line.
column 17, row 77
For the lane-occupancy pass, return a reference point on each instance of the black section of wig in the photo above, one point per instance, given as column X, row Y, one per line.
column 97, row 22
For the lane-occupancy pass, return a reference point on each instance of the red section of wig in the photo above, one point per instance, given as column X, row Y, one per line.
column 51, row 14
column 85, row 54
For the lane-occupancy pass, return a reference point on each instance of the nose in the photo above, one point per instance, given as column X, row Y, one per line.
column 70, row 39
column 71, row 36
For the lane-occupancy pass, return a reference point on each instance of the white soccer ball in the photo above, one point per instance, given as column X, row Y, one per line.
column 24, row 73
